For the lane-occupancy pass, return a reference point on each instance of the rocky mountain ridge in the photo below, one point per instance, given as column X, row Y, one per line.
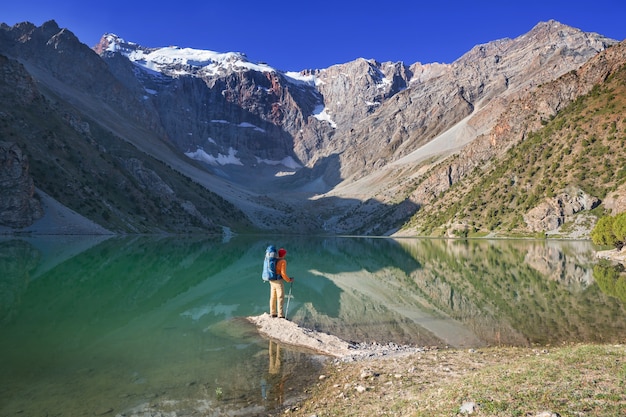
column 78, row 163
column 526, row 115
column 329, row 150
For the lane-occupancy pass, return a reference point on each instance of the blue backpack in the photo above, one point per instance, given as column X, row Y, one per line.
column 269, row 264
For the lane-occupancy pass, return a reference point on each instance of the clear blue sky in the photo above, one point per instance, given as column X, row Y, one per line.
column 294, row 35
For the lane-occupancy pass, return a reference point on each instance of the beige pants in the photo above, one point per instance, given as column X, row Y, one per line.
column 277, row 297
column 274, row 358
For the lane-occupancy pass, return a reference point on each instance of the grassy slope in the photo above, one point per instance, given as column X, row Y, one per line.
column 569, row 380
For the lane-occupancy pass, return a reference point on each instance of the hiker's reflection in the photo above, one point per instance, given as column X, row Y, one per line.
column 273, row 389
column 274, row 367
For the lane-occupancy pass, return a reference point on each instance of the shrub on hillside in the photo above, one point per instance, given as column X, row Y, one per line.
column 610, row 231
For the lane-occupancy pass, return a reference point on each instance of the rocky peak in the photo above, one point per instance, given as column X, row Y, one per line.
column 353, row 90
column 174, row 61
column 476, row 85
column 29, row 40
column 561, row 35
column 110, row 42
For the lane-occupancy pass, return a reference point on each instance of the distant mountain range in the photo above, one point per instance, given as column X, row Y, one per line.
column 137, row 139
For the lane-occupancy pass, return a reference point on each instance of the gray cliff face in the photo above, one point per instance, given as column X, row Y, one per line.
column 18, row 206
column 251, row 112
column 258, row 114
column 356, row 89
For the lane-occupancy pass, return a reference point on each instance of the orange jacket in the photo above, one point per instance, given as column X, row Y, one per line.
column 281, row 269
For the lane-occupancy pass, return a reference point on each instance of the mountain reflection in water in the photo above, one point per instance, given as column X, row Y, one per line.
column 89, row 325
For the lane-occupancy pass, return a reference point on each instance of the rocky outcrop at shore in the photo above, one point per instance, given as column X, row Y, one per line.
column 290, row 333
column 613, row 255
column 553, row 212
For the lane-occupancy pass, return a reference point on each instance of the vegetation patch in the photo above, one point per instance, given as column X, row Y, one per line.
column 496, row 381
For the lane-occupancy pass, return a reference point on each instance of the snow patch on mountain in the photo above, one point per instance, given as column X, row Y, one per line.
column 230, row 159
column 243, row 125
column 321, row 114
column 287, row 162
column 176, row 61
column 251, row 126
column 299, row 78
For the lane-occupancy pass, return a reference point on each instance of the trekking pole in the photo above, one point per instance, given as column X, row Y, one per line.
column 289, row 296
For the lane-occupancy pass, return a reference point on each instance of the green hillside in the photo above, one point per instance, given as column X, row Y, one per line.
column 582, row 148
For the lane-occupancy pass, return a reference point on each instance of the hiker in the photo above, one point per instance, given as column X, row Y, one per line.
column 277, row 286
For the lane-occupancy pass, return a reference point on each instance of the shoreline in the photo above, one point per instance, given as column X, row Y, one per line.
column 378, row 379
column 580, row 379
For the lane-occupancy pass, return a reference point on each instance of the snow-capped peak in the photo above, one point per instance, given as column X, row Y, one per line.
column 173, row 60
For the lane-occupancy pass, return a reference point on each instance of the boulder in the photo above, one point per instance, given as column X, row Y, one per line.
column 553, row 212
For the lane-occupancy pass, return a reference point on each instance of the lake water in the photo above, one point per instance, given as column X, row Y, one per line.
column 104, row 326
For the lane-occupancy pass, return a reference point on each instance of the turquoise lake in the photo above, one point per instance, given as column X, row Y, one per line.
column 130, row 325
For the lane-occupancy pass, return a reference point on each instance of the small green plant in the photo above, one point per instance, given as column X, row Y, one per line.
column 218, row 393
column 610, row 231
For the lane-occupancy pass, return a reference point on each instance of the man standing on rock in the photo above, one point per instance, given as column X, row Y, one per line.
column 277, row 286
